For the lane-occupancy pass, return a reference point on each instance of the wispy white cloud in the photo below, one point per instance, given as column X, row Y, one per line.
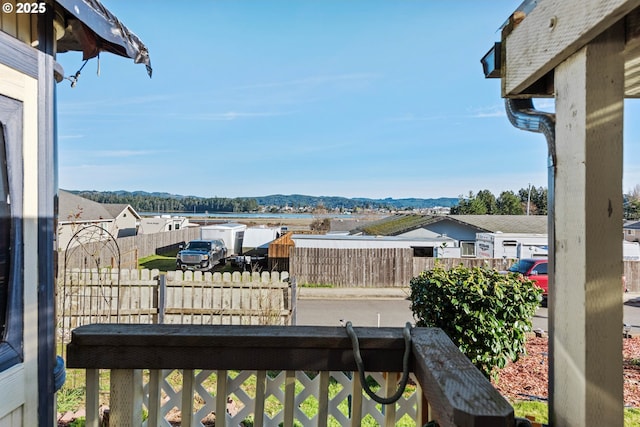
column 315, row 80
column 481, row 113
column 124, row 153
column 113, row 106
column 409, row 117
column 232, row 115
column 489, row 113
column 77, row 136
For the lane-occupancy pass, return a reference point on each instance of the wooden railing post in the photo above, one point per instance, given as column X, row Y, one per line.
column 92, row 403
column 155, row 378
column 221, row 398
column 162, row 297
column 356, row 401
column 186, row 407
column 294, row 301
column 125, row 409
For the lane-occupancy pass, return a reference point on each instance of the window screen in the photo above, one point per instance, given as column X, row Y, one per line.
column 5, row 235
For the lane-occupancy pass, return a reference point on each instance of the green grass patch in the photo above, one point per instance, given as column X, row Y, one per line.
column 168, row 263
column 532, row 408
column 70, row 399
column 162, row 263
column 540, row 411
column 317, row 285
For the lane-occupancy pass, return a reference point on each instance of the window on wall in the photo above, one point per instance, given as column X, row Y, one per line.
column 467, row 249
column 5, row 236
column 11, row 241
column 423, row 251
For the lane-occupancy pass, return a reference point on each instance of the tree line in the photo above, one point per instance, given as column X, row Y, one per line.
column 531, row 200
column 146, row 202
column 528, row 200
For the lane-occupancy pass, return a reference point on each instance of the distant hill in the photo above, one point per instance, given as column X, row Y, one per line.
column 144, row 201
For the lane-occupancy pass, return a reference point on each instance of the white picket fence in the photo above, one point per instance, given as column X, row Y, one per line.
column 147, row 297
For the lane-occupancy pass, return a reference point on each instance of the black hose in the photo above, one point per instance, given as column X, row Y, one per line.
column 405, row 365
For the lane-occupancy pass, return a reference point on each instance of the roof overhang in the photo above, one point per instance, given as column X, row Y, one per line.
column 90, row 28
column 537, row 40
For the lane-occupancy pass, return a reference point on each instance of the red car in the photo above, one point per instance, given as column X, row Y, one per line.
column 534, row 269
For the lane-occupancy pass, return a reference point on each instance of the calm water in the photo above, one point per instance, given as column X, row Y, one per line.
column 252, row 215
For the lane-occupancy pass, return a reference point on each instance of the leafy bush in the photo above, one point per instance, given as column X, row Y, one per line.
column 485, row 313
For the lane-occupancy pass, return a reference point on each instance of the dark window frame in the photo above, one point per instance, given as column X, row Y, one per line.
column 423, row 251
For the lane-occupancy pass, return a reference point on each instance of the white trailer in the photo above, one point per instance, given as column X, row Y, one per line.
column 630, row 251
column 511, row 245
column 528, row 250
column 232, row 234
column 257, row 239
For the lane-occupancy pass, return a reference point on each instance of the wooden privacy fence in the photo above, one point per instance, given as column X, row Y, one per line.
column 144, row 297
column 391, row 267
column 352, row 267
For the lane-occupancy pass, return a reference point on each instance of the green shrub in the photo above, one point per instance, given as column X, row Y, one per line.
column 485, row 313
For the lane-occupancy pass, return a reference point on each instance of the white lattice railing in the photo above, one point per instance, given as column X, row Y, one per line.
column 327, row 398
column 278, row 375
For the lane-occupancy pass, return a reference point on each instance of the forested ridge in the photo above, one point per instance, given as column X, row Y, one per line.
column 165, row 202
column 530, row 200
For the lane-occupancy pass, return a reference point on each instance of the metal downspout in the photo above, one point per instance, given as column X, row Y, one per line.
column 523, row 115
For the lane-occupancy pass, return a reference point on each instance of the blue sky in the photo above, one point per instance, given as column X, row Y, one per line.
column 359, row 98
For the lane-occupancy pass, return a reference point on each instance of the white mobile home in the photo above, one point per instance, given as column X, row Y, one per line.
column 426, row 247
column 510, row 245
column 162, row 223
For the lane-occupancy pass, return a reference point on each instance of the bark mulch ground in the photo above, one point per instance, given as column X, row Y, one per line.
column 527, row 378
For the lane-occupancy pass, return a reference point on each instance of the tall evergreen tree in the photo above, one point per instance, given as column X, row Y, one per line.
column 509, row 204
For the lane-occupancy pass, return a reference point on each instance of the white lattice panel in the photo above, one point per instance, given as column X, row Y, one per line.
column 273, row 398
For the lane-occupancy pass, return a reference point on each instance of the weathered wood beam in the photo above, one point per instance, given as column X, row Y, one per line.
column 553, row 31
column 450, row 382
column 128, row 346
column 585, row 299
column 632, row 55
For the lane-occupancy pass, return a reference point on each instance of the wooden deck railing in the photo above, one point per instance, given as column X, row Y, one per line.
column 139, row 357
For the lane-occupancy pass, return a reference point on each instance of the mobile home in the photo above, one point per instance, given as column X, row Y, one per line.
column 162, row 223
column 422, row 247
column 511, row 245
